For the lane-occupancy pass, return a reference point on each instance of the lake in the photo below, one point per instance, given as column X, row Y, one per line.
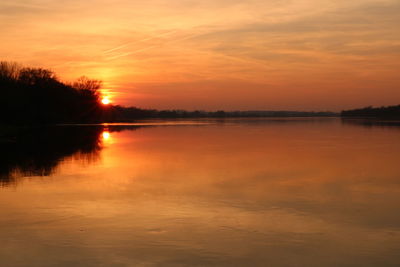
column 234, row 192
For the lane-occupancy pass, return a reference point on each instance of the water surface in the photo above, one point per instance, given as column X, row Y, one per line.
column 257, row 192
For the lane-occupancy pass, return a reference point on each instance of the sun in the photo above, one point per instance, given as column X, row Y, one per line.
column 106, row 135
column 105, row 101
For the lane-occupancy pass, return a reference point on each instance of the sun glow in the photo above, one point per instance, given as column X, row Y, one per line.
column 105, row 101
column 106, row 135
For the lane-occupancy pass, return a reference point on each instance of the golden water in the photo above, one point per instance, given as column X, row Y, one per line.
column 259, row 192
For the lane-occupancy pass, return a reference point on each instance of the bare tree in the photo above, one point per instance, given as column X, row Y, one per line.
column 36, row 75
column 84, row 83
column 9, row 70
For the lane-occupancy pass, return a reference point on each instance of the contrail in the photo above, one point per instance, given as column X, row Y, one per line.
column 153, row 46
column 139, row 41
column 132, row 52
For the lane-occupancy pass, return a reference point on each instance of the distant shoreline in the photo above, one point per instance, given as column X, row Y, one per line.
column 389, row 113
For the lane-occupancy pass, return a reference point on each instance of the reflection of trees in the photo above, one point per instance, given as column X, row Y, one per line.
column 369, row 123
column 38, row 151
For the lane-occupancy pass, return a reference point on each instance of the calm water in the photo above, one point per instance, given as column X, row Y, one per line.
column 261, row 192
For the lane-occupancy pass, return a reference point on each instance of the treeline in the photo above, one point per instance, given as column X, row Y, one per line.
column 36, row 95
column 390, row 112
column 119, row 113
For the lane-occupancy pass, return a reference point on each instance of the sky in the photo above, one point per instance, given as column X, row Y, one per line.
column 215, row 54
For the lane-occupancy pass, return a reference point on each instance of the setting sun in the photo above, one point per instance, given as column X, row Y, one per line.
column 105, row 101
column 106, row 135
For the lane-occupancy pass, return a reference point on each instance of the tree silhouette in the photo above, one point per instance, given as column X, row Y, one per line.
column 390, row 112
column 36, row 95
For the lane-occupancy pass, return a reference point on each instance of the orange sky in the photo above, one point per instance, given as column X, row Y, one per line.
column 215, row 54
